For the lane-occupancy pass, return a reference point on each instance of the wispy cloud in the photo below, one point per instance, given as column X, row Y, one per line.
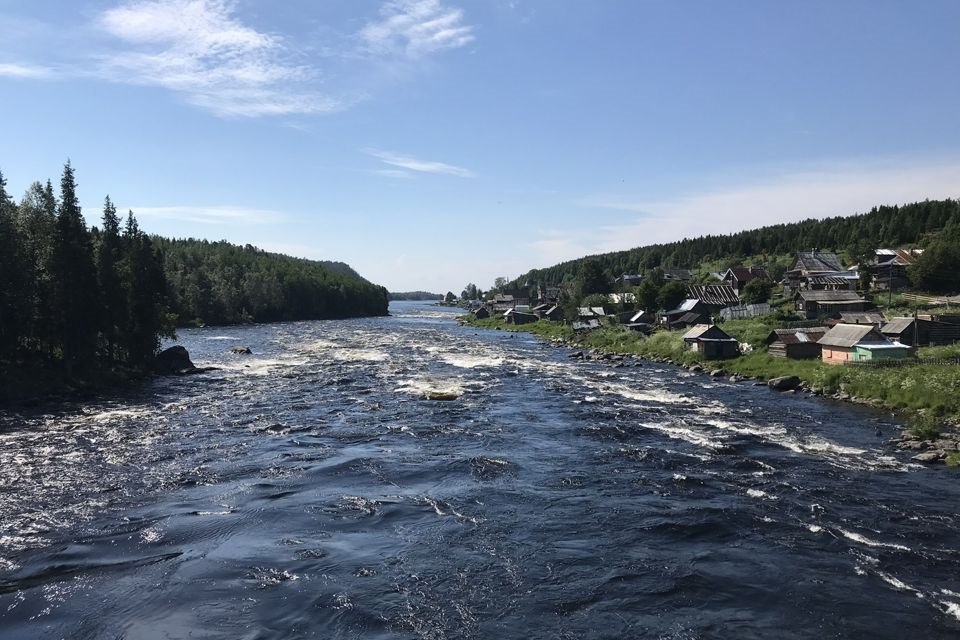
column 200, row 49
column 216, row 215
column 393, row 173
column 836, row 190
column 26, row 71
column 422, row 166
column 414, row 28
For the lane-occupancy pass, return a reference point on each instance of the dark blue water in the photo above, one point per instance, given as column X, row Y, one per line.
column 312, row 491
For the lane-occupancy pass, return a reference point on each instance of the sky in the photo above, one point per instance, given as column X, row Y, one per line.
column 435, row 143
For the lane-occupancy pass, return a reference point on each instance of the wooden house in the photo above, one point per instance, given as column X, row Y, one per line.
column 859, row 343
column 552, row 312
column 481, row 313
column 795, row 344
column 689, row 313
column 711, row 342
column 818, row 304
column 739, row 277
column 889, row 269
column 628, row 280
column 519, row 317
column 819, row 271
column 920, row 332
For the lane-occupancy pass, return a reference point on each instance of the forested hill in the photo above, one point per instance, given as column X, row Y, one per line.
column 887, row 226
column 415, row 295
column 222, row 283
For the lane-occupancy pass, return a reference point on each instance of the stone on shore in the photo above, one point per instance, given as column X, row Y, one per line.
column 929, row 456
column 784, row 383
column 173, row 360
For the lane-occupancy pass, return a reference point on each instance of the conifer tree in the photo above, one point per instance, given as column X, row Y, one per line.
column 13, row 291
column 73, row 273
column 113, row 305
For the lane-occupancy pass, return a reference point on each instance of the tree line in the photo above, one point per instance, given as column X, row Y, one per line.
column 73, row 295
column 920, row 223
column 78, row 298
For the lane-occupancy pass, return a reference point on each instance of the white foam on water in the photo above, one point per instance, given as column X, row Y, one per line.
column 856, row 537
column 762, row 495
column 424, row 387
column 814, row 528
column 361, row 355
column 896, row 583
column 221, row 338
column 684, row 433
column 466, row 361
column 951, row 608
column 262, row 366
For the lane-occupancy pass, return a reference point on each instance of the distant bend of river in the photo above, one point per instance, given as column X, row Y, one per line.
column 311, row 491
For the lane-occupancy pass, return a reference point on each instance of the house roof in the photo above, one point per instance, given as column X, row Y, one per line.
column 866, row 317
column 903, row 257
column 686, row 305
column 713, row 293
column 796, row 336
column 706, row 332
column 813, row 261
column 637, row 316
column 830, row 296
column 897, row 325
column 671, row 273
column 834, row 279
column 848, row 335
column 690, row 317
column 746, row 274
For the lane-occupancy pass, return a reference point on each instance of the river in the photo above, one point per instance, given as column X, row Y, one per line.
column 311, row 491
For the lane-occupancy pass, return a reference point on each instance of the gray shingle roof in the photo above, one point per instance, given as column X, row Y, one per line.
column 848, row 335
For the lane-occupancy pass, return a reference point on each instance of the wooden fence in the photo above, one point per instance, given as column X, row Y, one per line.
column 906, row 362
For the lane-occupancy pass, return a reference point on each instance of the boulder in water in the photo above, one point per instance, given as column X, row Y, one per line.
column 176, row 361
column 442, row 395
column 928, row 456
column 173, row 360
column 784, row 383
column 241, row 351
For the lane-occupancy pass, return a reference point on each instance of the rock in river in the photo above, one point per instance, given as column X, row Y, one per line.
column 242, row 351
column 928, row 456
column 784, row 383
column 176, row 361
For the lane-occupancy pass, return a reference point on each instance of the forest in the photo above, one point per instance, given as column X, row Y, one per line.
column 932, row 222
column 79, row 301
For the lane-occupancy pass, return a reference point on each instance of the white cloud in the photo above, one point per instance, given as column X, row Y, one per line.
column 200, row 49
column 26, row 71
column 831, row 191
column 414, row 28
column 423, row 166
column 218, row 215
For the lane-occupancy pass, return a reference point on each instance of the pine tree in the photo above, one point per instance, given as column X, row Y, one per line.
column 145, row 286
column 76, row 295
column 113, row 306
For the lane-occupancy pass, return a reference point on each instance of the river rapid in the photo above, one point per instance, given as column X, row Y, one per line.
column 312, row 491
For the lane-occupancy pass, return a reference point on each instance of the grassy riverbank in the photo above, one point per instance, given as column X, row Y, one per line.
column 924, row 388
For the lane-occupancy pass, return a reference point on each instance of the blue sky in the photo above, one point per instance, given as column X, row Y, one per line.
column 431, row 143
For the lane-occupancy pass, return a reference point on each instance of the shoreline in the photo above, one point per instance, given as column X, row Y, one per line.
column 929, row 444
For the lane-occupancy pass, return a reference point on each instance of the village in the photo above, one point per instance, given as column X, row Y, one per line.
column 824, row 310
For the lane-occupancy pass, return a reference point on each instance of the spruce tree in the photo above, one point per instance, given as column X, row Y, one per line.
column 76, row 295
column 13, row 288
column 113, row 305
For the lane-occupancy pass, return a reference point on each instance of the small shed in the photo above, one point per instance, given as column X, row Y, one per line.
column 689, row 319
column 711, row 342
column 519, row 317
column 553, row 312
column 481, row 313
column 859, row 343
column 795, row 344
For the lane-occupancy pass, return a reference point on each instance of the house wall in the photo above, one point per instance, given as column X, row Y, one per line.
column 836, row 355
column 869, row 355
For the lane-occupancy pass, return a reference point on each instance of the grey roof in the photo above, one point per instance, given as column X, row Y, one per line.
column 863, row 317
column 848, row 335
column 796, row 336
column 706, row 332
column 830, row 296
column 714, row 293
column 637, row 316
column 814, row 261
column 897, row 325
